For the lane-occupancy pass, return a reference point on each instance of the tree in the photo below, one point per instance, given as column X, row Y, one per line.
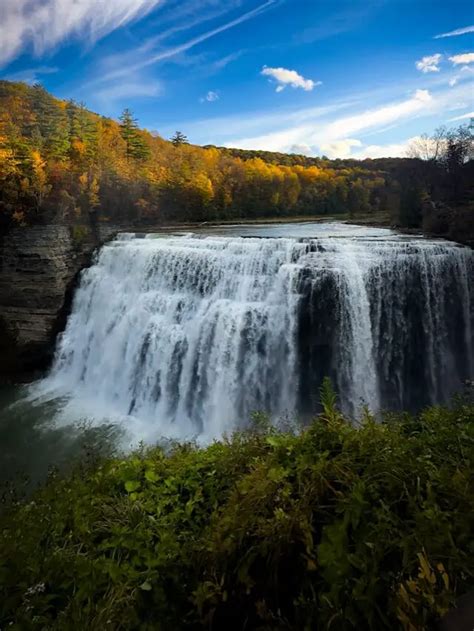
column 411, row 202
column 136, row 147
column 358, row 198
column 179, row 139
column 37, row 185
column 51, row 131
column 429, row 148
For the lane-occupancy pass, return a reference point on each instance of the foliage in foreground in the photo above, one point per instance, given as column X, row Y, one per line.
column 339, row 527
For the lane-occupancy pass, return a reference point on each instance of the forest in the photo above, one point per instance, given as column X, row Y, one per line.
column 60, row 161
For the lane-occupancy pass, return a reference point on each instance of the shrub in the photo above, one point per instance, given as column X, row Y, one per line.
column 337, row 527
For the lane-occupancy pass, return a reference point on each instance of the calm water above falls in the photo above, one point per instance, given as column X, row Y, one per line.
column 186, row 335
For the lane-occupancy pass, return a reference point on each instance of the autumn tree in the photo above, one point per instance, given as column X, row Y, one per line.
column 57, row 155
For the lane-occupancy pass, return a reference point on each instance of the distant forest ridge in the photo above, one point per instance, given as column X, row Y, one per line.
column 60, row 161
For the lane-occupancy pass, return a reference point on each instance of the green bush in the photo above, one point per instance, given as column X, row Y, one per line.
column 79, row 234
column 337, row 527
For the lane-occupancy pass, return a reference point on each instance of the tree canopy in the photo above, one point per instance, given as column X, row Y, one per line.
column 59, row 159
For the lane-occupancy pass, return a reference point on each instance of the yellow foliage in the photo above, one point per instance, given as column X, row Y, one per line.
column 19, row 217
column 418, row 597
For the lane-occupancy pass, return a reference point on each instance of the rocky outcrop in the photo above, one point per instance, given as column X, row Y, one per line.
column 39, row 267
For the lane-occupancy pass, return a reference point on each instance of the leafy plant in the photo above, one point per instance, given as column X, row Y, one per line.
column 336, row 527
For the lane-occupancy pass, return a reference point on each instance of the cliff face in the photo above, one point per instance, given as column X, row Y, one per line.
column 39, row 267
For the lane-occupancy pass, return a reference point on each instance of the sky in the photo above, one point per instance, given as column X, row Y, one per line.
column 320, row 77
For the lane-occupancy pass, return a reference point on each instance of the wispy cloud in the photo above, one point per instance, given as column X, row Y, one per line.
column 380, row 117
column 43, row 25
column 249, row 124
column 30, row 75
column 336, row 135
column 109, row 97
column 464, row 58
column 285, row 77
column 463, row 117
column 430, row 63
column 455, row 33
column 145, row 56
column 464, row 73
column 210, row 97
column 221, row 63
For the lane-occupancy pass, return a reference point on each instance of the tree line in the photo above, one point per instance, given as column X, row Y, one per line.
column 60, row 160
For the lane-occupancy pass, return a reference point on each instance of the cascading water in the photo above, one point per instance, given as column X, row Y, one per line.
column 191, row 334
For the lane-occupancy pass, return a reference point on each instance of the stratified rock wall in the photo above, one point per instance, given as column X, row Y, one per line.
column 38, row 269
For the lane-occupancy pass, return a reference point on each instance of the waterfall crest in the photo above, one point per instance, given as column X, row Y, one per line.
column 193, row 334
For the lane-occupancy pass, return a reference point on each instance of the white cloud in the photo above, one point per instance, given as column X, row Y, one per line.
column 313, row 132
column 302, row 129
column 464, row 58
column 464, row 73
column 458, row 31
column 380, row 117
column 285, row 77
column 391, row 150
column 210, row 97
column 430, row 63
column 302, row 149
column 339, row 148
column 463, row 117
column 47, row 23
column 30, row 75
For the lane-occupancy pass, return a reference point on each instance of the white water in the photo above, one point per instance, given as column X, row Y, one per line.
column 188, row 335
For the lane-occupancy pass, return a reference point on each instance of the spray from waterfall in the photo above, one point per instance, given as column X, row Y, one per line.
column 192, row 334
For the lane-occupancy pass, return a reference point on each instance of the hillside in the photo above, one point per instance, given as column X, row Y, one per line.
column 60, row 159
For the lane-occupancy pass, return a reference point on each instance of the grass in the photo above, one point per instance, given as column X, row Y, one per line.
column 334, row 527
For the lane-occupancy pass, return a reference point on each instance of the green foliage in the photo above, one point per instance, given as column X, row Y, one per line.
column 136, row 146
column 79, row 234
column 337, row 527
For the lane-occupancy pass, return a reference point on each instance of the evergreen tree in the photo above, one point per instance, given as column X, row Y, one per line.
column 136, row 147
column 53, row 123
column 83, row 132
column 179, row 139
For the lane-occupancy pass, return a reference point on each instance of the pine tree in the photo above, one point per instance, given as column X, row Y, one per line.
column 53, row 123
column 136, row 147
column 179, row 139
column 83, row 131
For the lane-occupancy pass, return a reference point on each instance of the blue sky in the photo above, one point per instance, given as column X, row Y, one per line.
column 313, row 76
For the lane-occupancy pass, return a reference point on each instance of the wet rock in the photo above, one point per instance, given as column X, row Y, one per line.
column 39, row 266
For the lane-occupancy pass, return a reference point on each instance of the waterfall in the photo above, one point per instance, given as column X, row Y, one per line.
column 191, row 334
